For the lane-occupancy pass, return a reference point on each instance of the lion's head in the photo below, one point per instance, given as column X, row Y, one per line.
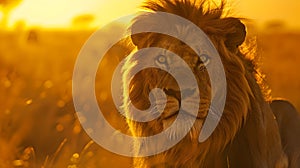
column 243, row 92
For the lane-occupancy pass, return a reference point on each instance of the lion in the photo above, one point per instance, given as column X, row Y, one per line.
column 247, row 135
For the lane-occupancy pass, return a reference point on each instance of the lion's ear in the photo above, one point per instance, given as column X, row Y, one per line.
column 237, row 34
column 147, row 23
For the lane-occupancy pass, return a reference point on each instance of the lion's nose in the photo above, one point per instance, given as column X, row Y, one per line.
column 173, row 92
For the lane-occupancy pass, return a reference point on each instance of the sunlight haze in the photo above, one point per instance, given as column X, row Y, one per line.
column 59, row 13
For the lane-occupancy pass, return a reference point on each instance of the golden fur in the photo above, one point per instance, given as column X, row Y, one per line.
column 247, row 135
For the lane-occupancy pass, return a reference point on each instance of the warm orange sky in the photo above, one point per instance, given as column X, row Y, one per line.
column 59, row 13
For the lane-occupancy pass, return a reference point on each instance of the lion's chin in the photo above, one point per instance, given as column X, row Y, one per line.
column 174, row 158
column 187, row 129
column 188, row 126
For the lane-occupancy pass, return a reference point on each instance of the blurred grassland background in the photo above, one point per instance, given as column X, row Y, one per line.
column 38, row 125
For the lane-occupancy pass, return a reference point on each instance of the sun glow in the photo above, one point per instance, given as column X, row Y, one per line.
column 60, row 13
column 48, row 13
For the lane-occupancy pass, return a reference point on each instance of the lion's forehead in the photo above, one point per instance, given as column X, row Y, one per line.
column 193, row 36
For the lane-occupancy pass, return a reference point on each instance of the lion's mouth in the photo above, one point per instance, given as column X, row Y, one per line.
column 191, row 106
column 186, row 111
column 171, row 116
column 172, row 112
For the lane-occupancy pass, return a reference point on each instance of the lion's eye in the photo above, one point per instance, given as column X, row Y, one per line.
column 161, row 59
column 205, row 59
